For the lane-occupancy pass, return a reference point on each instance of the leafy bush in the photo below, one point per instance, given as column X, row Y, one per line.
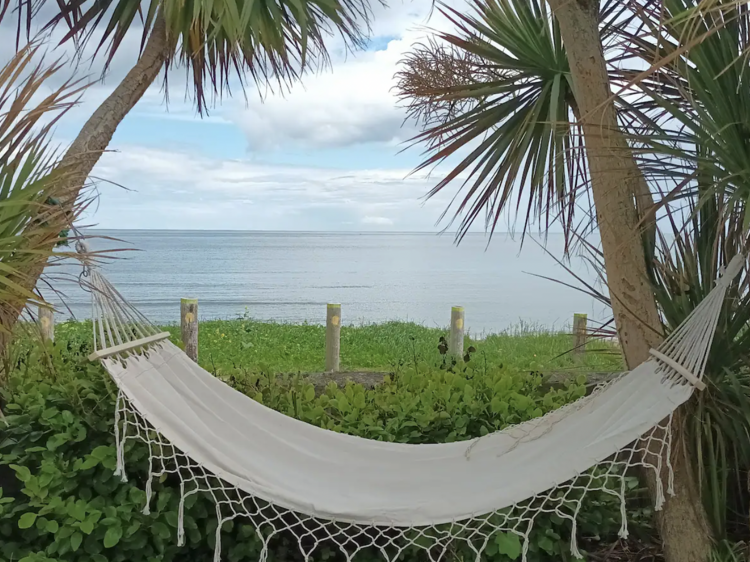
column 62, row 502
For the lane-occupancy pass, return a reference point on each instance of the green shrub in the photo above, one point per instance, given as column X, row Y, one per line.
column 62, row 502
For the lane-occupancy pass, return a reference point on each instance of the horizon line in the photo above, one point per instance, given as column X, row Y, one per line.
column 439, row 233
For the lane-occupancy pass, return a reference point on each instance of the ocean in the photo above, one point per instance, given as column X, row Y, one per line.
column 376, row 277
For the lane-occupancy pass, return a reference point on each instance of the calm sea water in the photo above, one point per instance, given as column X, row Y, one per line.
column 290, row 277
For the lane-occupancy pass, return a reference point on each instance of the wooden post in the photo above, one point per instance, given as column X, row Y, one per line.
column 189, row 327
column 456, row 340
column 46, row 317
column 579, row 334
column 333, row 337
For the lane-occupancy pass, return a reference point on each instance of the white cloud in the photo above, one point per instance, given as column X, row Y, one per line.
column 171, row 189
column 377, row 221
column 353, row 104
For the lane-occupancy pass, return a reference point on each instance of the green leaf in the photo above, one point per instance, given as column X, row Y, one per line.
column 52, row 526
column 546, row 544
column 27, row 520
column 112, row 537
column 509, row 544
column 133, row 528
column 89, row 463
column 49, row 413
column 161, row 530
column 75, row 541
column 65, row 532
column 498, row 406
column 172, row 519
column 22, row 473
column 102, row 452
column 87, row 526
column 137, row 496
column 77, row 510
column 310, row 394
column 57, row 441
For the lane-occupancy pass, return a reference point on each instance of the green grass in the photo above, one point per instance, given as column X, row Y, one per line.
column 246, row 345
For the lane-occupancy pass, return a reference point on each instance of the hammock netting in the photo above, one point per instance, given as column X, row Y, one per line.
column 286, row 477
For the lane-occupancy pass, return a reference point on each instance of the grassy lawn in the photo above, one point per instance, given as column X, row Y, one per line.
column 245, row 345
column 230, row 345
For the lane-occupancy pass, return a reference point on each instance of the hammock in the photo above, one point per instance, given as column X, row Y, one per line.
column 323, row 487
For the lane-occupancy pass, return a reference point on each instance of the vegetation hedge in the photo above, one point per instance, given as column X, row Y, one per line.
column 59, row 499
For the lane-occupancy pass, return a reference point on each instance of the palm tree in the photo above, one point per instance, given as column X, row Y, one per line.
column 525, row 87
column 539, row 89
column 271, row 41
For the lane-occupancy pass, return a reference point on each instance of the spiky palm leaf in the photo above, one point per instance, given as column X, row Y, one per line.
column 216, row 40
column 29, row 184
column 516, row 105
column 691, row 255
column 699, row 103
column 697, row 149
column 499, row 88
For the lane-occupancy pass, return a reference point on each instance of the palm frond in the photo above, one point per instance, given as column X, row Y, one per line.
column 507, row 100
column 29, row 184
column 216, row 41
column 692, row 253
column 695, row 110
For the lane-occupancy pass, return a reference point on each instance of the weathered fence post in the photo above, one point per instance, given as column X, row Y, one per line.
column 189, row 327
column 456, row 340
column 579, row 334
column 46, row 318
column 333, row 337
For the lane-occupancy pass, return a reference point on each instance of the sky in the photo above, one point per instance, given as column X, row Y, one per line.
column 326, row 156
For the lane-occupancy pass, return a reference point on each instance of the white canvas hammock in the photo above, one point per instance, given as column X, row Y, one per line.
column 324, row 487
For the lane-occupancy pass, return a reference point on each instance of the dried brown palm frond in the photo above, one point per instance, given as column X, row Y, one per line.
column 431, row 69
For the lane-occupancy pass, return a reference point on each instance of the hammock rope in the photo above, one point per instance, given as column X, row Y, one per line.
column 324, row 488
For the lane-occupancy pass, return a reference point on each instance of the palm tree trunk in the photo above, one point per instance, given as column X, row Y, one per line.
column 618, row 188
column 97, row 133
column 85, row 151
